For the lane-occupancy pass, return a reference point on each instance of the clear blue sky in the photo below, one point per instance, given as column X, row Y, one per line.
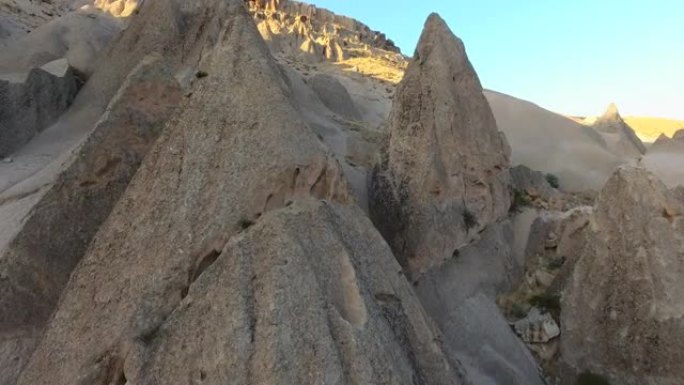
column 570, row 56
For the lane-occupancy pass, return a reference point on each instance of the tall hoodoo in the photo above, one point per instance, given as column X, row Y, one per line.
column 446, row 173
column 623, row 308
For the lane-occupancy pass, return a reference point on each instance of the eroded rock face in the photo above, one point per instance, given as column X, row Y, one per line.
column 334, row 95
column 446, row 174
column 56, row 231
column 620, row 137
column 460, row 297
column 30, row 104
column 218, row 167
column 312, row 34
column 310, row 294
column 78, row 36
column 623, row 307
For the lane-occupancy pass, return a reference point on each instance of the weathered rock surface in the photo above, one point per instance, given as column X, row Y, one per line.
column 623, row 308
column 312, row 34
column 446, row 174
column 533, row 183
column 663, row 143
column 334, row 95
column 460, row 297
column 620, row 137
column 28, row 106
column 220, row 165
column 311, row 294
column 55, row 233
column 77, row 36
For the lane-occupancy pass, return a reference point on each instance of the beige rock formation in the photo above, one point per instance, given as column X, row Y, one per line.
column 294, row 28
column 77, row 36
column 310, row 294
column 334, row 96
column 54, row 233
column 623, row 308
column 620, row 137
column 218, row 167
column 30, row 105
column 446, row 173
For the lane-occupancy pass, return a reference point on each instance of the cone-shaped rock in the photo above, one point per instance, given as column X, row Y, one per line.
column 620, row 137
column 446, row 173
column 217, row 266
column 309, row 295
column 54, row 232
column 623, row 308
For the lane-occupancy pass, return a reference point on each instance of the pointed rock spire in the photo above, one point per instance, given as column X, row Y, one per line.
column 446, row 175
column 624, row 141
column 612, row 112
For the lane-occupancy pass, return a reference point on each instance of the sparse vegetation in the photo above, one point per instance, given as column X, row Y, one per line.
column 520, row 200
column 469, row 219
column 519, row 310
column 547, row 302
column 245, row 223
column 556, row 263
column 588, row 378
column 553, row 180
column 201, row 74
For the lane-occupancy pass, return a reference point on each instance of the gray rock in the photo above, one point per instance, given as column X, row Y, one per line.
column 537, row 327
column 446, row 173
column 623, row 307
column 460, row 296
column 533, row 183
column 29, row 105
column 309, row 295
column 77, row 36
column 222, row 163
column 334, row 96
column 57, row 229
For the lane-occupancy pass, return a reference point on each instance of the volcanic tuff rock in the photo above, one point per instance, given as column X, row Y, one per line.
column 620, row 137
column 460, row 297
column 77, row 36
column 446, row 173
column 217, row 168
column 623, row 308
column 29, row 105
column 334, row 96
column 309, row 295
column 305, row 31
column 57, row 229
